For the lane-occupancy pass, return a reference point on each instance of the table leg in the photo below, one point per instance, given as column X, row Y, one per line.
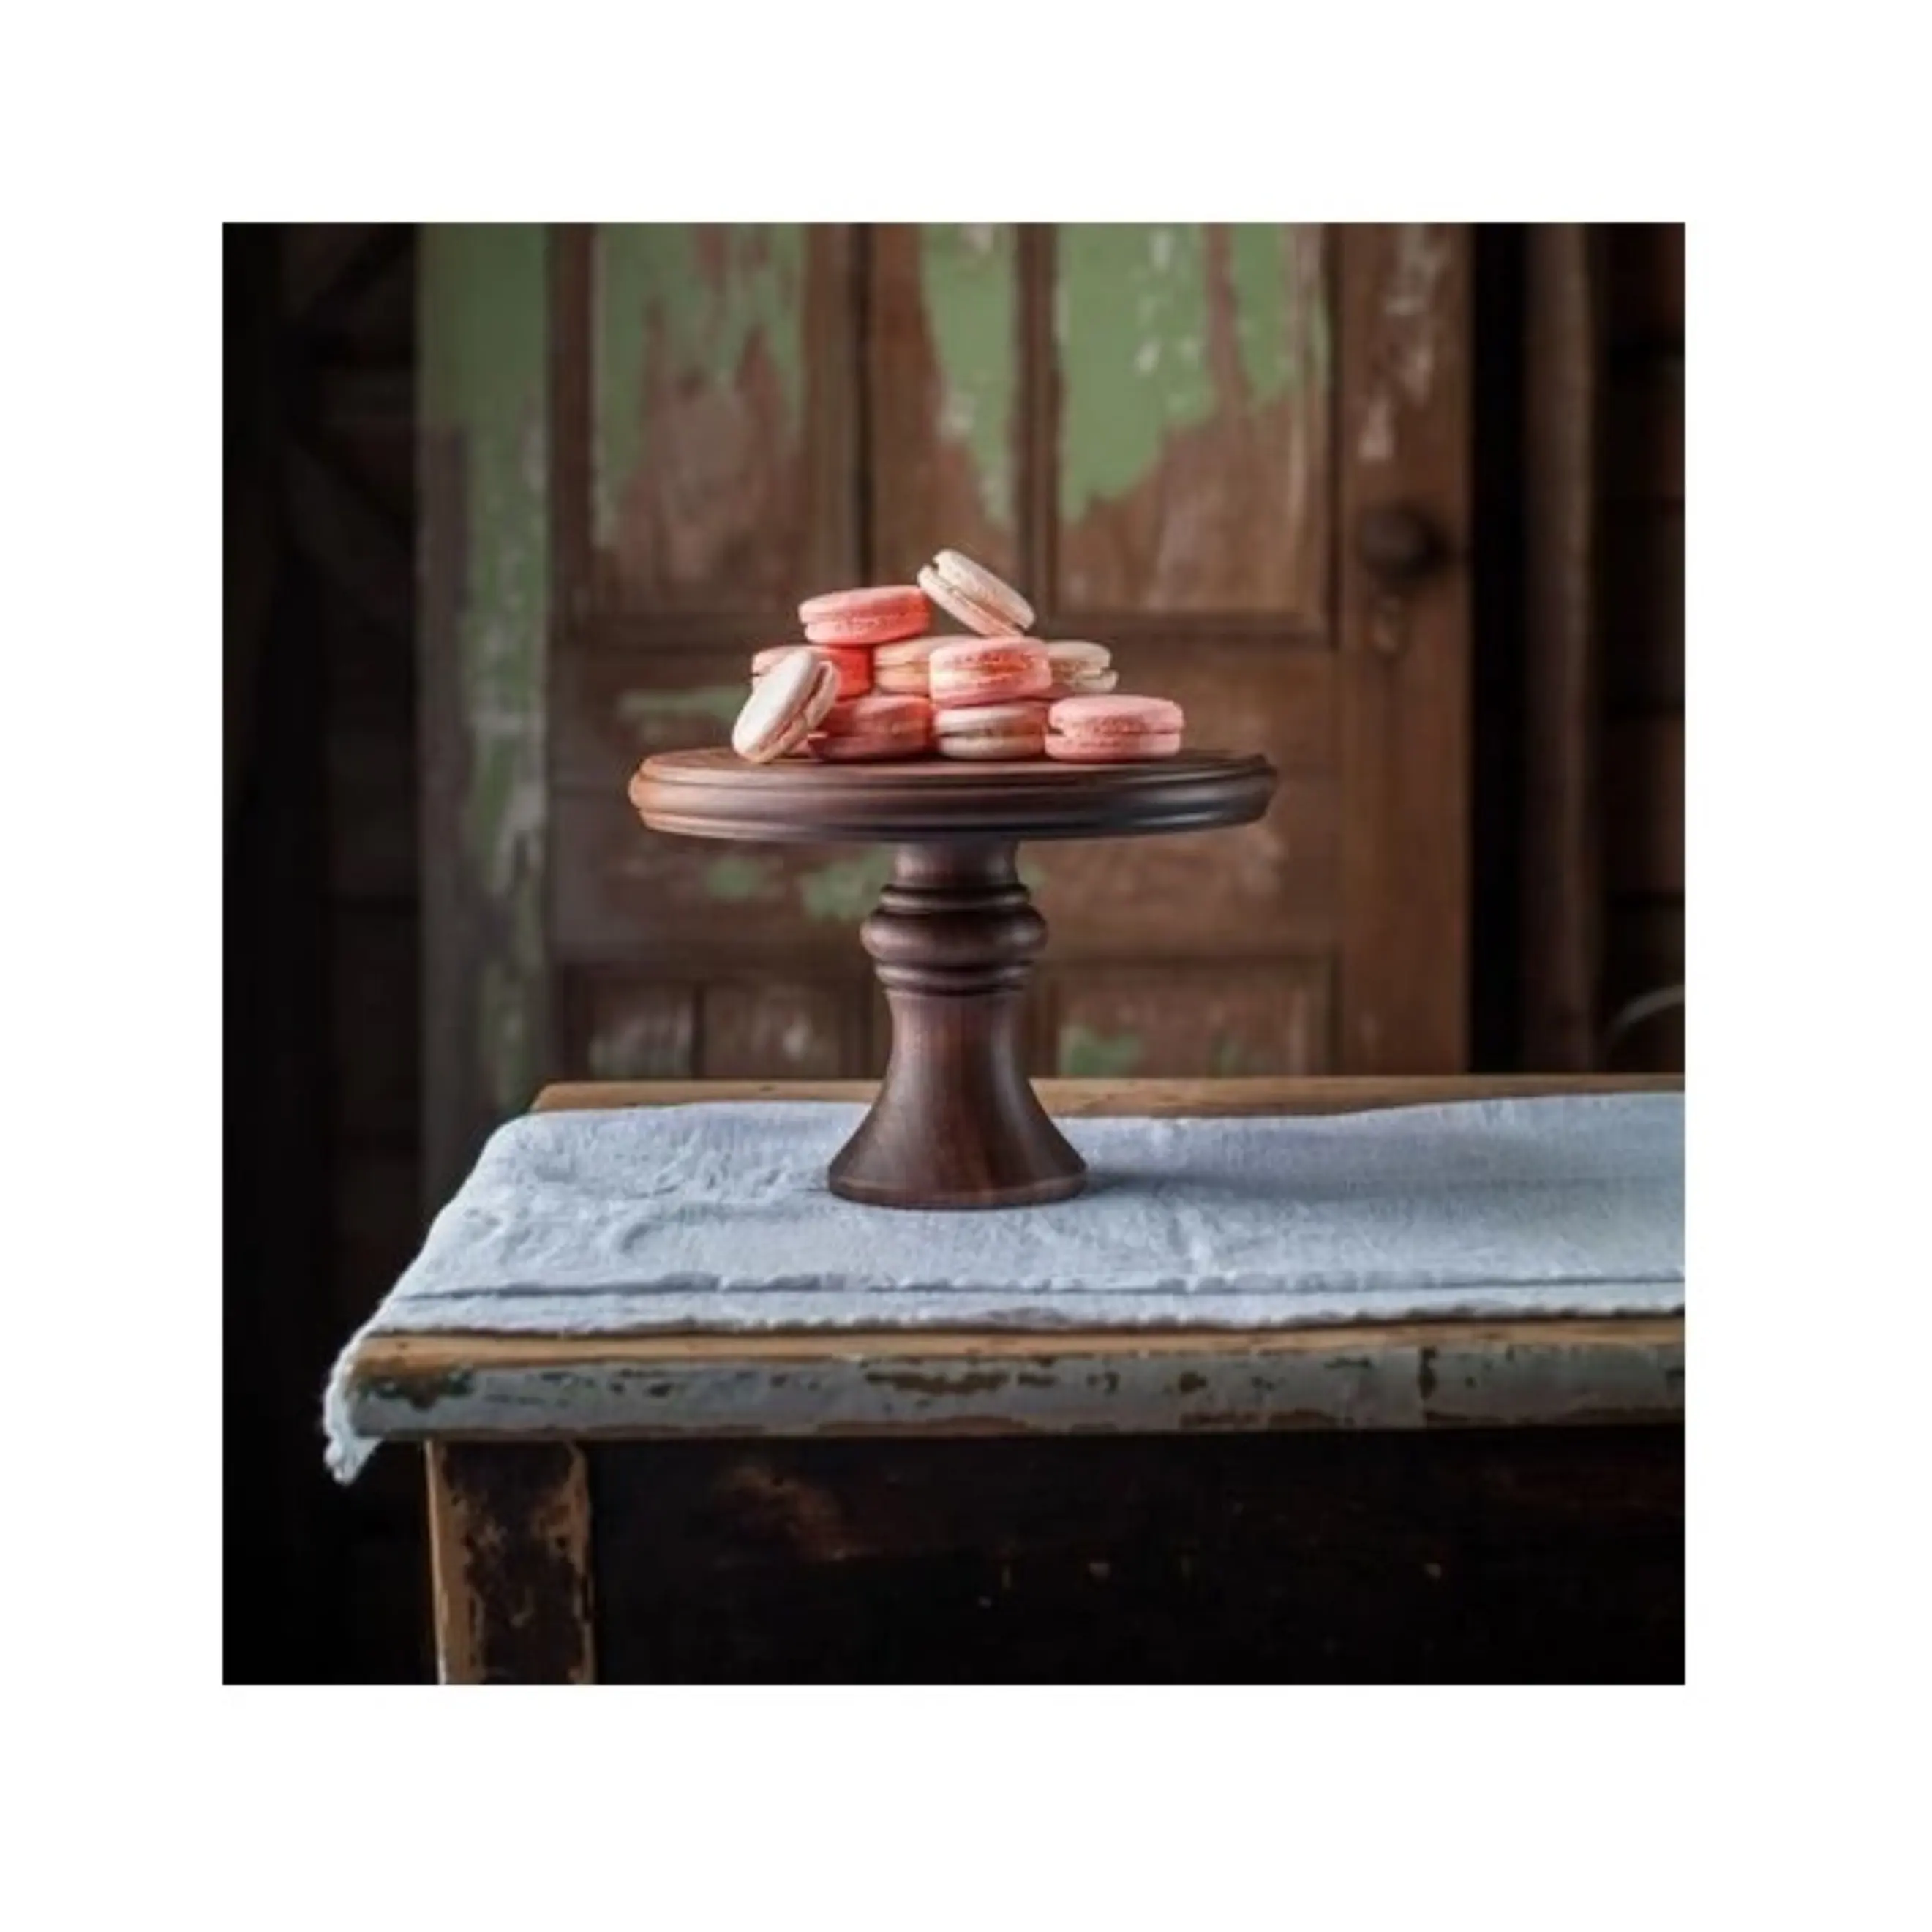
column 509, row 1532
column 956, row 1124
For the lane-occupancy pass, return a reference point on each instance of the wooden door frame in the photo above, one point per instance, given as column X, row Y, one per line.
column 1402, row 310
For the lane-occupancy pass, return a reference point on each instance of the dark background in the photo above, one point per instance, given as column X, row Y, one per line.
column 324, row 1177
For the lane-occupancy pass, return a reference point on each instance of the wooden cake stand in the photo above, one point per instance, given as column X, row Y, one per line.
column 956, row 1124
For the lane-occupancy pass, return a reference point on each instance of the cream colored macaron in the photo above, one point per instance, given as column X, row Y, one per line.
column 785, row 707
column 1080, row 670
column 970, row 592
column 902, row 667
column 1016, row 731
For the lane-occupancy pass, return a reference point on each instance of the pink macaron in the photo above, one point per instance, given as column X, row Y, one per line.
column 970, row 592
column 988, row 670
column 1112, row 730
column 902, row 666
column 854, row 667
column 876, row 615
column 786, row 705
column 887, row 725
column 1016, row 730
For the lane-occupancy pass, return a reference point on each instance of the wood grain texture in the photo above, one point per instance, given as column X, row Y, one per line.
column 715, row 794
column 1403, row 972
column 1644, row 804
column 510, row 1557
column 1562, row 856
column 1435, row 1375
column 1270, row 1018
column 615, row 707
column 624, row 1025
column 1266, row 889
column 1157, row 1099
column 804, row 1030
column 721, row 462
column 943, row 367
column 417, row 1358
column 1190, row 468
column 1542, row 1555
column 485, row 297
column 691, row 907
column 955, row 1123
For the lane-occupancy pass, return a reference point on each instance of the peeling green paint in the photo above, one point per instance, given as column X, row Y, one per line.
column 846, row 889
column 422, row 1392
column 738, row 876
column 1086, row 1054
column 969, row 280
column 1267, row 319
column 1132, row 319
column 655, row 272
column 720, row 703
column 1131, row 316
column 484, row 381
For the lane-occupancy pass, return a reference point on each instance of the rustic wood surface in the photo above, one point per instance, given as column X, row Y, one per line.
column 1398, row 1375
column 1402, row 969
column 944, row 420
column 509, row 1527
column 428, row 1354
column 1254, row 1545
column 1261, row 1094
column 1642, row 596
column 1190, row 463
column 1562, row 950
column 484, row 648
column 1552, row 1555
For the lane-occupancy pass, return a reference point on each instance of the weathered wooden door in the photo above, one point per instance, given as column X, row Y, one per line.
column 644, row 445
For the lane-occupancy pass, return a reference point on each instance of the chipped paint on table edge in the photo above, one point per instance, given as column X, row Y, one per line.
column 1407, row 1375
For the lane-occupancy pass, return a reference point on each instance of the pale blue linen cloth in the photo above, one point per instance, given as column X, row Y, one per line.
column 716, row 1216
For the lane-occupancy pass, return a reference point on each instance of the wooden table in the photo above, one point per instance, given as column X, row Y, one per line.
column 1417, row 1502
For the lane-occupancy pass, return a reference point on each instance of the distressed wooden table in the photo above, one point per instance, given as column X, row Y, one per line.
column 1456, row 1501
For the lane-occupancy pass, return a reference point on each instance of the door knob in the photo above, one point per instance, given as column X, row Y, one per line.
column 1398, row 546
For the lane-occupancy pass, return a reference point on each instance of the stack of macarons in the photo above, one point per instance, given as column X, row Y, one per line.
column 872, row 682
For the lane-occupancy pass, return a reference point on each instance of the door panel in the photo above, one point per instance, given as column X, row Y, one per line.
column 1191, row 1020
column 1192, row 375
column 946, row 373
column 719, row 408
column 1168, row 436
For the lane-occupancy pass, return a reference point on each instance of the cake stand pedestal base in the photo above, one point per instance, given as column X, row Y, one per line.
column 956, row 1124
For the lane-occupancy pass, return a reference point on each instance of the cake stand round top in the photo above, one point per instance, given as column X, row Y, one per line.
column 715, row 794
